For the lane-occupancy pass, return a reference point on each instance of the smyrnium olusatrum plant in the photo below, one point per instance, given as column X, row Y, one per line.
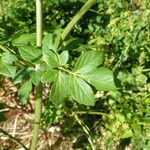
column 50, row 61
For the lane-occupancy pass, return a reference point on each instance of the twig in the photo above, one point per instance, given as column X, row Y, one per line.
column 13, row 139
column 15, row 125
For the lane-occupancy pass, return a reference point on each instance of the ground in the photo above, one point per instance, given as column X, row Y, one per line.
column 19, row 123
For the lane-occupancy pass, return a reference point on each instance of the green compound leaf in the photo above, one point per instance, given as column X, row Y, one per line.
column 36, row 77
column 63, row 57
column 30, row 53
column 50, row 58
column 60, row 90
column 22, row 74
column 6, row 66
column 24, row 91
column 81, row 91
column 88, row 61
column 8, row 58
column 49, row 76
column 72, row 44
column 51, row 42
column 25, row 39
column 7, row 69
column 141, row 79
column 126, row 134
column 101, row 78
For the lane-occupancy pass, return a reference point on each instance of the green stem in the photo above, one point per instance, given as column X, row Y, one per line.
column 146, row 70
column 76, row 18
column 67, row 71
column 3, row 14
column 143, row 123
column 39, row 23
column 13, row 139
column 38, row 95
column 4, row 49
column 85, row 129
column 91, row 113
column 37, row 119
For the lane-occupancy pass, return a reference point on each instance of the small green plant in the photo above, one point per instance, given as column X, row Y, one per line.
column 53, row 64
column 112, row 34
column 50, row 65
column 50, row 62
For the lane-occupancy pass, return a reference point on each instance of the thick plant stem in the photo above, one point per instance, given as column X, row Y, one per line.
column 38, row 110
column 76, row 18
column 38, row 89
column 39, row 23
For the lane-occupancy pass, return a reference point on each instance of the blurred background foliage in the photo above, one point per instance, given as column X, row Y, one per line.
column 121, row 29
